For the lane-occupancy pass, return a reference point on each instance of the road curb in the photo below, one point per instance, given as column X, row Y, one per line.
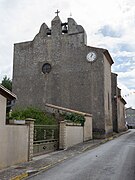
column 38, row 171
column 105, row 140
column 21, row 176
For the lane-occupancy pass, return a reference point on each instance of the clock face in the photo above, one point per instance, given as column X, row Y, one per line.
column 91, row 56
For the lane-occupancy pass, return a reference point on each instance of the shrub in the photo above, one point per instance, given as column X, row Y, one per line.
column 76, row 118
column 40, row 116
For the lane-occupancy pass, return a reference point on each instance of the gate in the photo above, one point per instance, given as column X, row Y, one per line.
column 45, row 139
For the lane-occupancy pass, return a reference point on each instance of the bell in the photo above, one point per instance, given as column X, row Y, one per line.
column 48, row 31
column 64, row 29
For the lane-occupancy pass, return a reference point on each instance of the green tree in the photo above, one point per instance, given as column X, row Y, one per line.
column 7, row 83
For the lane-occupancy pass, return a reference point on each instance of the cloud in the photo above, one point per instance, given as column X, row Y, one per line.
column 128, row 95
column 126, row 47
column 127, row 79
column 107, row 30
column 128, row 63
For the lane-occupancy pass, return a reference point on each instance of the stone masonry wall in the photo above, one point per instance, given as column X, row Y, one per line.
column 107, row 96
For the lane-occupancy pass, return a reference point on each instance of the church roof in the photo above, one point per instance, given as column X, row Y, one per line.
column 108, row 56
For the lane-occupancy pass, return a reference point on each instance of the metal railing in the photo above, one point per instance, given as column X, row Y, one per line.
column 45, row 138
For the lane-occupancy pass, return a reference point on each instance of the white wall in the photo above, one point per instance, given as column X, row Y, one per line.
column 88, row 128
column 13, row 140
column 71, row 134
column 13, row 145
column 74, row 135
column 3, row 102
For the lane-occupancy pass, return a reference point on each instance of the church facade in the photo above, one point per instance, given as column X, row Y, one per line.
column 58, row 67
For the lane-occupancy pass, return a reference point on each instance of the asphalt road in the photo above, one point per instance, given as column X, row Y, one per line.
column 114, row 160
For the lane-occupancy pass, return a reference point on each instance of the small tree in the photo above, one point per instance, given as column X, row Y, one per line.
column 7, row 83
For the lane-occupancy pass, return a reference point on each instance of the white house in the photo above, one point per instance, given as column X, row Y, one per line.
column 14, row 139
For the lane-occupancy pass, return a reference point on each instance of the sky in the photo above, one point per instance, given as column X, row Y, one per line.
column 109, row 24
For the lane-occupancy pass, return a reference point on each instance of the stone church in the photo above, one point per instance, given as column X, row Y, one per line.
column 58, row 67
